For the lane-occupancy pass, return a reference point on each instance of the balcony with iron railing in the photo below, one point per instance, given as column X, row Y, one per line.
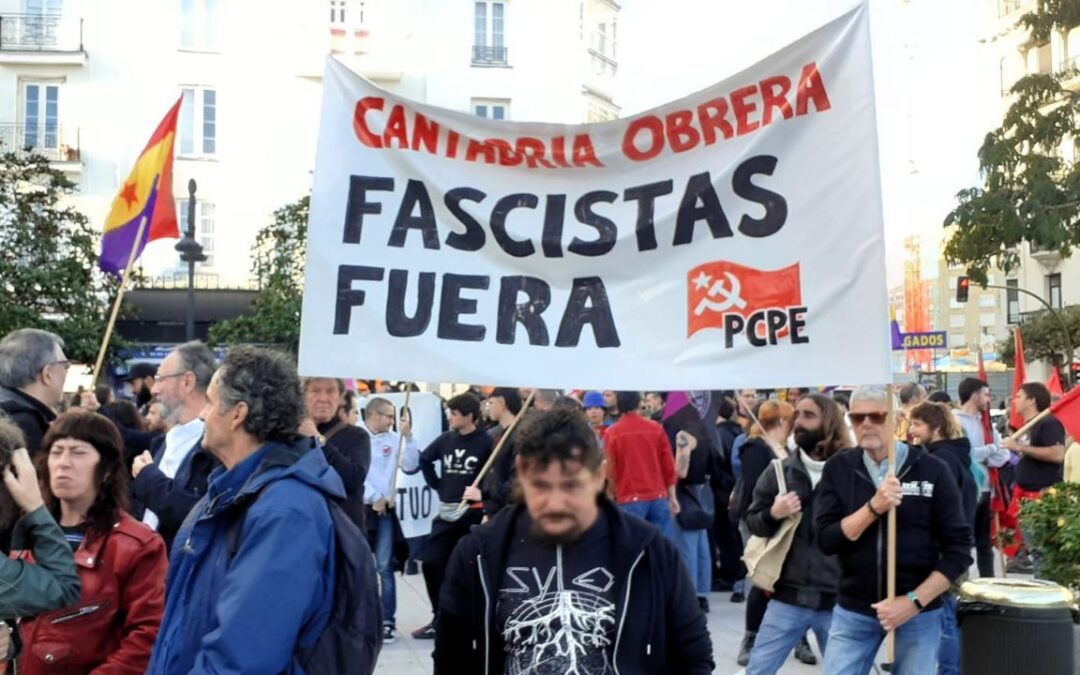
column 55, row 142
column 54, row 39
column 482, row 55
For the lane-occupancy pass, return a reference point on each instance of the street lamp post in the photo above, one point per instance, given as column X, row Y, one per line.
column 1061, row 321
column 190, row 252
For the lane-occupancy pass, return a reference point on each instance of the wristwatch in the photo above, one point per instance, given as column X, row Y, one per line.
column 914, row 600
column 870, row 508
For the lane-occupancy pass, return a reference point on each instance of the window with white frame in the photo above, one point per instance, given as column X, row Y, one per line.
column 1012, row 301
column 492, row 109
column 198, row 122
column 489, row 32
column 957, row 340
column 204, row 227
column 987, row 300
column 1053, row 289
column 957, row 321
column 40, row 116
column 199, row 24
column 987, row 320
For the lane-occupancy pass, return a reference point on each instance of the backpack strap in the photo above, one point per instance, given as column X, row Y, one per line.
column 336, row 428
column 781, row 484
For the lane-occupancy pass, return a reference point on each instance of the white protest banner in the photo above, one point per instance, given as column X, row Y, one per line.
column 732, row 238
column 416, row 502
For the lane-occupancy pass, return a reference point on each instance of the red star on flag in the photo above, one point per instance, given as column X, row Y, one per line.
column 128, row 194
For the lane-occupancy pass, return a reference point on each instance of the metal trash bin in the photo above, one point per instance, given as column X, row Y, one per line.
column 1016, row 627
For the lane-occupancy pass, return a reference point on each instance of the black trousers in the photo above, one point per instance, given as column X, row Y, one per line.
column 439, row 546
column 984, row 548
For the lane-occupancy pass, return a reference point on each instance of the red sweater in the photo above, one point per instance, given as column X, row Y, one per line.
column 640, row 461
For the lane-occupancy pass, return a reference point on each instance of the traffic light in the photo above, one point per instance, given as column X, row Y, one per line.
column 962, row 286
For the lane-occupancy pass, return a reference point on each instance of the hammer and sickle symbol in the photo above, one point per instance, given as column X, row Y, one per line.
column 731, row 296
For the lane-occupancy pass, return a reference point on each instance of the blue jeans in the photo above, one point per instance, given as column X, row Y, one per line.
column 854, row 640
column 384, row 560
column 780, row 631
column 656, row 512
column 694, row 545
column 949, row 651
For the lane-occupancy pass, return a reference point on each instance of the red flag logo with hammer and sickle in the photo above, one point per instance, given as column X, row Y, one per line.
column 718, row 288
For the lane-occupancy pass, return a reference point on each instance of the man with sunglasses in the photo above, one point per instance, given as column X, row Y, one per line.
column 934, row 543
column 32, row 373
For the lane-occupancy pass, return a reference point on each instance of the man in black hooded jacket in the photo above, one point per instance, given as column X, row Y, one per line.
column 933, row 426
column 567, row 580
column 934, row 544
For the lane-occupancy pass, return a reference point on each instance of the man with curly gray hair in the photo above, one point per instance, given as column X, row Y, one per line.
column 249, row 599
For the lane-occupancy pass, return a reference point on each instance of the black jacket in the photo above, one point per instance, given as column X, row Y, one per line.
column 809, row 578
column 498, row 484
column 956, row 453
column 660, row 627
column 29, row 414
column 755, row 455
column 172, row 498
column 931, row 534
column 349, row 452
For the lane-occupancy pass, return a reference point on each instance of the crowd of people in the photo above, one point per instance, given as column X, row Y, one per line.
column 235, row 517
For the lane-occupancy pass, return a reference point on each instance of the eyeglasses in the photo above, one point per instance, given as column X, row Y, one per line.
column 159, row 376
column 66, row 364
column 874, row 417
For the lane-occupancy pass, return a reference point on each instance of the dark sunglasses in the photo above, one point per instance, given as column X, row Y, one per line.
column 874, row 417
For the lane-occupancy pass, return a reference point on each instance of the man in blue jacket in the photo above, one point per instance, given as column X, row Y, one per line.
column 248, row 603
column 567, row 582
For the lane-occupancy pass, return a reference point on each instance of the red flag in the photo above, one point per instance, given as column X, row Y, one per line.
column 1053, row 383
column 1016, row 420
column 1067, row 411
column 716, row 289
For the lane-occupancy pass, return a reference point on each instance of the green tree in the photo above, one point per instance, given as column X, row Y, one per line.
column 1043, row 337
column 49, row 273
column 1029, row 192
column 278, row 263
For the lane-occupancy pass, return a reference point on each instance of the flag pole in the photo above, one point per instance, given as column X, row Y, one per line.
column 116, row 303
column 890, row 556
column 498, row 448
column 400, row 447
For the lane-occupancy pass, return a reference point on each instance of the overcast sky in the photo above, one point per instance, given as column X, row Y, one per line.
column 936, row 96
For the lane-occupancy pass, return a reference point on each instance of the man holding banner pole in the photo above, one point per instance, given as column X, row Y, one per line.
column 857, row 491
column 461, row 452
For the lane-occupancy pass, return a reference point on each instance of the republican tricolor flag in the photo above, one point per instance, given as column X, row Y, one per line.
column 146, row 194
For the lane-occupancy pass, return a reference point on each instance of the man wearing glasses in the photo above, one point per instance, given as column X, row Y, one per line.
column 170, row 479
column 32, row 373
column 933, row 544
column 382, row 520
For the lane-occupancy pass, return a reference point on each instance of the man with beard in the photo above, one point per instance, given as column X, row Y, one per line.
column 170, row 480
column 805, row 593
column 141, row 379
column 566, row 582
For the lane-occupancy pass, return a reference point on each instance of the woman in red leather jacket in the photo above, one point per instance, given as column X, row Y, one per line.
column 121, row 562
